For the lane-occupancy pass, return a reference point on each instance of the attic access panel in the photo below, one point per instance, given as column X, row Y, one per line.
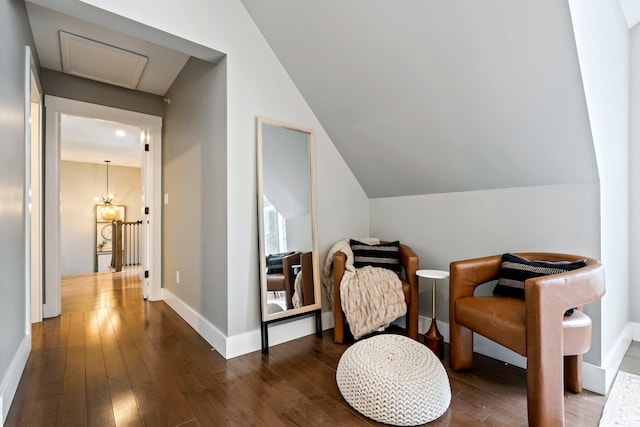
column 98, row 61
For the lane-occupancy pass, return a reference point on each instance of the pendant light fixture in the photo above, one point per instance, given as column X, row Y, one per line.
column 106, row 209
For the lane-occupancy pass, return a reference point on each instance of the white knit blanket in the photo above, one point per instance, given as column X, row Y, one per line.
column 371, row 297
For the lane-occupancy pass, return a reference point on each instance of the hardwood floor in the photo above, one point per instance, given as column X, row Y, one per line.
column 112, row 359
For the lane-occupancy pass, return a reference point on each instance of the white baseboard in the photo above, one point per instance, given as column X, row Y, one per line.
column 10, row 382
column 613, row 358
column 247, row 342
column 635, row 331
column 594, row 378
column 279, row 333
column 201, row 325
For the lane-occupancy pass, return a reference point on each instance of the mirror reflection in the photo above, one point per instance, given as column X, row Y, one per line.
column 289, row 267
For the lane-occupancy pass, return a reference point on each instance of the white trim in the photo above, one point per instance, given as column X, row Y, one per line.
column 202, row 326
column 327, row 320
column 594, row 378
column 154, row 175
column 10, row 382
column 33, row 192
column 635, row 331
column 281, row 332
column 613, row 358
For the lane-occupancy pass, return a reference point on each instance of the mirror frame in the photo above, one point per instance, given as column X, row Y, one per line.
column 317, row 305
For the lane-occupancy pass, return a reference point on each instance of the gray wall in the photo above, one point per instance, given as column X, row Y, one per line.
column 442, row 228
column 15, row 34
column 72, row 87
column 80, row 183
column 467, row 95
column 194, row 177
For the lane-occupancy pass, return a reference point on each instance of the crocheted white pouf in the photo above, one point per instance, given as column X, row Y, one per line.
column 394, row 380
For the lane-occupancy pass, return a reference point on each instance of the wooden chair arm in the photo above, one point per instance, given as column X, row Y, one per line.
column 339, row 265
column 410, row 262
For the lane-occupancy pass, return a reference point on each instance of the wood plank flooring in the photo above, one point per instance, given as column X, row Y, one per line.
column 113, row 359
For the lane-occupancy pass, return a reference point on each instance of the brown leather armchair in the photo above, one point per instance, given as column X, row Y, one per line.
column 534, row 327
column 409, row 261
column 277, row 282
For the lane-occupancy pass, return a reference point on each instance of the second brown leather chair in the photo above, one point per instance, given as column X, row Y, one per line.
column 534, row 327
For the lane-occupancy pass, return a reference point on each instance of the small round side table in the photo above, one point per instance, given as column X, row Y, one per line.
column 433, row 338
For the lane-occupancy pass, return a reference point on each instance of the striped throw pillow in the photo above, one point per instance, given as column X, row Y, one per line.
column 385, row 255
column 516, row 269
column 274, row 262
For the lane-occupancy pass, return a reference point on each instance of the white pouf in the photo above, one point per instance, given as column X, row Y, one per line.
column 394, row 380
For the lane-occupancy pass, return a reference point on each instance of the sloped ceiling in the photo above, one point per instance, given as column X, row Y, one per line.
column 432, row 96
column 161, row 69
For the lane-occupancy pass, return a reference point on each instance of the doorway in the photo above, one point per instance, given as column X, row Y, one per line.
column 151, row 173
column 100, row 163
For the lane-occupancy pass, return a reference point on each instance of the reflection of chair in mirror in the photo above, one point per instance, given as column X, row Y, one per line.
column 409, row 261
column 533, row 327
column 304, row 289
column 306, row 260
column 280, row 274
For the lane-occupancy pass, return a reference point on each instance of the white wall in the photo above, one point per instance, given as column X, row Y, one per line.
column 442, row 228
column 299, row 233
column 634, row 169
column 80, row 184
column 468, row 95
column 602, row 40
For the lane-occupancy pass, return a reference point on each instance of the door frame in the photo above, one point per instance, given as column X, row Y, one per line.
column 33, row 191
column 55, row 107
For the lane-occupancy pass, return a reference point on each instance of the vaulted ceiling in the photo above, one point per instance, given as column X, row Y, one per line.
column 428, row 96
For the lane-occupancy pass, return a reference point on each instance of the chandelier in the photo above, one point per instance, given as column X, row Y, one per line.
column 106, row 209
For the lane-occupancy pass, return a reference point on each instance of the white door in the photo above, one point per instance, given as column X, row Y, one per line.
column 146, row 198
column 33, row 192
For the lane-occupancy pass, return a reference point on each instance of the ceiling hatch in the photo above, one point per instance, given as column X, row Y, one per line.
column 98, row 61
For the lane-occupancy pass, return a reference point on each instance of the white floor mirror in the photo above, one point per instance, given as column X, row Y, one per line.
column 289, row 266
